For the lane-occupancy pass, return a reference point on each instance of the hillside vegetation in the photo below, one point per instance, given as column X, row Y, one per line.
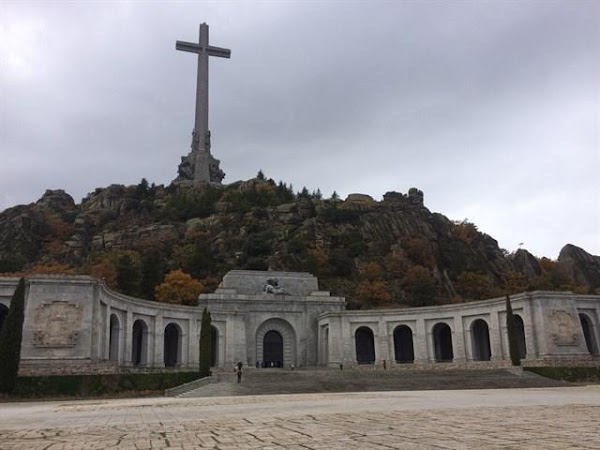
column 376, row 254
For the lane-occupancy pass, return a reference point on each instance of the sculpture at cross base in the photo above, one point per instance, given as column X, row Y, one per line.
column 200, row 165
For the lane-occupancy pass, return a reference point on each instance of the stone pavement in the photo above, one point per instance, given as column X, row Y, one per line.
column 539, row 418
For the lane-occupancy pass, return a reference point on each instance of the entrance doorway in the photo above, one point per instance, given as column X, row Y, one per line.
column 3, row 314
column 273, row 349
column 139, row 344
column 442, row 340
column 214, row 335
column 172, row 345
column 481, row 340
column 403, row 345
column 588, row 333
column 520, row 332
column 365, row 346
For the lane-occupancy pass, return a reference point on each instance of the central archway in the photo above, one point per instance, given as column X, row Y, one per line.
column 273, row 349
column 276, row 344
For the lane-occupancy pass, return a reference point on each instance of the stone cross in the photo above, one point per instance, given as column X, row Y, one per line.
column 201, row 133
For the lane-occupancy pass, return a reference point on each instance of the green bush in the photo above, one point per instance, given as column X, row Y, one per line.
column 98, row 385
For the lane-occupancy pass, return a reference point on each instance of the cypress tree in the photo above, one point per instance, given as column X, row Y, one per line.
column 205, row 344
column 10, row 340
column 511, row 329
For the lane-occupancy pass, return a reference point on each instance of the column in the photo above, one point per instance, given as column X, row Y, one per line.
column 458, row 340
column 382, row 349
column 421, row 342
column 496, row 336
column 128, row 327
column 158, row 359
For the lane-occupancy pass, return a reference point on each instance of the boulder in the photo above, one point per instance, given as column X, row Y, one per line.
column 582, row 267
column 525, row 263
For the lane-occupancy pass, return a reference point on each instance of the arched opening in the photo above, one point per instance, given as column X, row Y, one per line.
column 520, row 332
column 139, row 345
column 403, row 344
column 269, row 352
column 172, row 345
column 273, row 349
column 3, row 314
column 113, row 339
column 588, row 334
column 442, row 343
column 365, row 346
column 480, row 334
column 325, row 346
column 214, row 336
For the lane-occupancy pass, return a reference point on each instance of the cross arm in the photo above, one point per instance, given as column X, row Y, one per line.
column 187, row 47
column 218, row 51
column 195, row 48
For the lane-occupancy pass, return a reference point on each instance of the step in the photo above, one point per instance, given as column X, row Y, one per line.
column 285, row 381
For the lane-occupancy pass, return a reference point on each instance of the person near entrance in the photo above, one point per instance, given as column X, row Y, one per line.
column 239, row 372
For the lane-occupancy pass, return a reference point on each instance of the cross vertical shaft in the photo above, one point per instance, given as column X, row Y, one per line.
column 201, row 119
column 203, row 165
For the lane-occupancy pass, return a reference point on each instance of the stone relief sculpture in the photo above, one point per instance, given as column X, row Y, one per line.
column 56, row 325
column 564, row 328
column 273, row 287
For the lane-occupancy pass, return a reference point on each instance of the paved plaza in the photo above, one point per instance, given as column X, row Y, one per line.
column 540, row 418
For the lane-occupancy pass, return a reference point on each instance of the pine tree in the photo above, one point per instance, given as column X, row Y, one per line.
column 128, row 275
column 152, row 270
column 10, row 340
column 205, row 344
column 511, row 329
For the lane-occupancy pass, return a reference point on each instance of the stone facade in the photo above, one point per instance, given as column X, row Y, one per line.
column 274, row 319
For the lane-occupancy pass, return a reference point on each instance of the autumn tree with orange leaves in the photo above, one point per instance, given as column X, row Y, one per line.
column 178, row 288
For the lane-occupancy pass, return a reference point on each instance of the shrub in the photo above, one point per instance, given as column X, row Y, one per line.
column 10, row 340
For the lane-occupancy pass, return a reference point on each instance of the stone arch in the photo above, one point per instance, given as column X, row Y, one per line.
column 588, row 333
column 214, row 346
column 365, row 345
column 139, row 343
column 114, row 338
column 288, row 338
column 480, row 340
column 520, row 332
column 403, row 344
column 172, row 345
column 442, row 342
column 273, row 349
column 3, row 314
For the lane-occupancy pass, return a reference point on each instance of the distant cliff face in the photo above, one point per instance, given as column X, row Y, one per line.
column 383, row 253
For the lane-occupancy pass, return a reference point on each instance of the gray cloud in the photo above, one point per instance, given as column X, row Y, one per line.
column 491, row 108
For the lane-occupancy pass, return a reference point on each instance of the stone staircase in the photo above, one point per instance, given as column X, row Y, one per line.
column 285, row 381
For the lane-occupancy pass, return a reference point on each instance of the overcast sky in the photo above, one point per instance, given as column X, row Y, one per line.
column 492, row 108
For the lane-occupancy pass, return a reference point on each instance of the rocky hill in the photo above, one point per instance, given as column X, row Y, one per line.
column 377, row 254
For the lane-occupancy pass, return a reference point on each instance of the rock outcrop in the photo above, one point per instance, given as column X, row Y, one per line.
column 525, row 263
column 256, row 224
column 582, row 267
